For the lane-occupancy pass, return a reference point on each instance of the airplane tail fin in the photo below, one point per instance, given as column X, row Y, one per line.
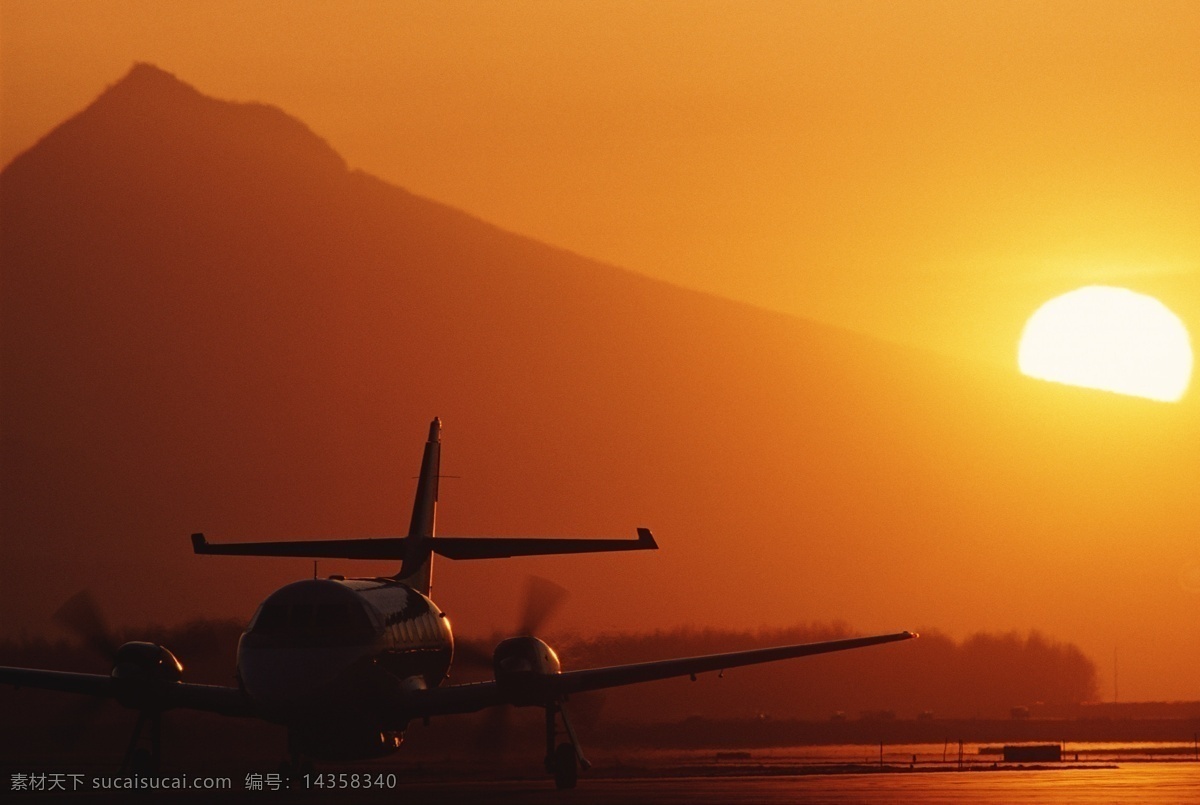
column 416, row 550
column 417, row 567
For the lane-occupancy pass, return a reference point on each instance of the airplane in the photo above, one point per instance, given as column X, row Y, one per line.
column 345, row 664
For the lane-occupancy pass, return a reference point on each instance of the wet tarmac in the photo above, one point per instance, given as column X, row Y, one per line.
column 1140, row 783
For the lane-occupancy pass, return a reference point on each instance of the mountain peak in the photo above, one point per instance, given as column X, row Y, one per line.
column 149, row 113
column 146, row 81
column 144, row 77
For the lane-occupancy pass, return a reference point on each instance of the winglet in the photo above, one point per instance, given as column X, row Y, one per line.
column 646, row 539
column 199, row 544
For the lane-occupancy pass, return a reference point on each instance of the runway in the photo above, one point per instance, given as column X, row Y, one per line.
column 1132, row 783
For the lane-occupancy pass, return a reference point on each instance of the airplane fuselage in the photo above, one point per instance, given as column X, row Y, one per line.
column 345, row 644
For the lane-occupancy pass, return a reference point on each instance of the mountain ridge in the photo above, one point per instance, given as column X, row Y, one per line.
column 155, row 98
column 148, row 91
column 248, row 339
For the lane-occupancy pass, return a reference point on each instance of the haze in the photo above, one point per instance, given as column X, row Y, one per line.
column 926, row 174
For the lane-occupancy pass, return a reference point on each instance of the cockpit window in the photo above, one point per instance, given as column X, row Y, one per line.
column 326, row 623
column 272, row 619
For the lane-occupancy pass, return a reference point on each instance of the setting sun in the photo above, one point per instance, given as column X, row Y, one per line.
column 1108, row 338
column 704, row 268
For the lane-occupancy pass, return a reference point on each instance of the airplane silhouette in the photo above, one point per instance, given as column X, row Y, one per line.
column 346, row 663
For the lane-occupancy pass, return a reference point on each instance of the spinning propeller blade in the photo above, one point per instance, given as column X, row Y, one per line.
column 80, row 616
column 542, row 599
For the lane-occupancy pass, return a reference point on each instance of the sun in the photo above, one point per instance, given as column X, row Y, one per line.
column 1108, row 338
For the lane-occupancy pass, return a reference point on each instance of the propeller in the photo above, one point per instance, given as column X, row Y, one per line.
column 542, row 600
column 472, row 654
column 80, row 616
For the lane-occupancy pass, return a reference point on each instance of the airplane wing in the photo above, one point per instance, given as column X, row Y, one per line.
column 617, row 675
column 450, row 547
column 477, row 696
column 66, row 681
column 211, row 698
column 452, row 699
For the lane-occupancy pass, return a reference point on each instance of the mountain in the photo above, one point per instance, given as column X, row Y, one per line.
column 209, row 323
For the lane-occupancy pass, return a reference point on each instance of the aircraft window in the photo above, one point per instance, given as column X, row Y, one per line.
column 272, row 619
column 326, row 623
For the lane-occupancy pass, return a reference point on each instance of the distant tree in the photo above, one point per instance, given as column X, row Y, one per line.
column 985, row 675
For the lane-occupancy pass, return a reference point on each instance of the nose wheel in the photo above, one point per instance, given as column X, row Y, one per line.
column 297, row 764
column 563, row 760
column 566, row 766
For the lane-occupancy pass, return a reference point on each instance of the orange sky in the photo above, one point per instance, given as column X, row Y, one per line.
column 927, row 172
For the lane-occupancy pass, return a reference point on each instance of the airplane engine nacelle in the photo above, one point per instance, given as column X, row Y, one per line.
column 141, row 671
column 518, row 663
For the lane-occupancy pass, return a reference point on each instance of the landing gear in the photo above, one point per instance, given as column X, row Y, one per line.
column 564, row 760
column 297, row 765
column 566, row 766
column 139, row 759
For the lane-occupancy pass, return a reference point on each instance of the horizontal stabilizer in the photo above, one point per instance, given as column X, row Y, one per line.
column 504, row 547
column 450, row 547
